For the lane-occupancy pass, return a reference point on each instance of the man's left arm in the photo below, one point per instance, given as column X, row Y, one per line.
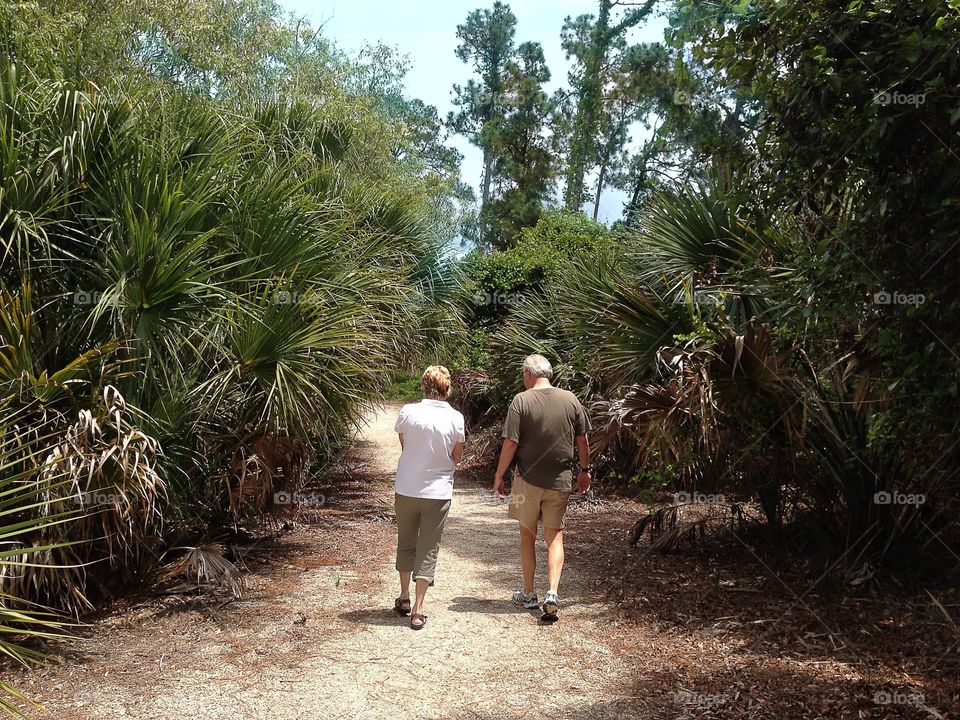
column 582, row 426
column 583, row 453
column 507, row 451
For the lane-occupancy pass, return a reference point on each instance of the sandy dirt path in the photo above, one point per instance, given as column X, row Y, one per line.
column 314, row 637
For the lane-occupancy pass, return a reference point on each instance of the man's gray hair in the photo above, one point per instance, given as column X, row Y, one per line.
column 538, row 366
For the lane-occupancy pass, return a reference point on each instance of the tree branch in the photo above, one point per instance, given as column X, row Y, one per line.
column 634, row 16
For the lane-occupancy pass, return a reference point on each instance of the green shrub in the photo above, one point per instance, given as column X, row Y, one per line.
column 496, row 283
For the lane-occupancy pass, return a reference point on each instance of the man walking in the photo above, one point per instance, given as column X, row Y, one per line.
column 544, row 426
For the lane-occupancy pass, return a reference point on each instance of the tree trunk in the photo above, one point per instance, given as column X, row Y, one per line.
column 485, row 192
column 589, row 106
column 487, row 171
column 596, row 202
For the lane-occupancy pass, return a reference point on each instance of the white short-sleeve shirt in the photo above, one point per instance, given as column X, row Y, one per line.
column 430, row 430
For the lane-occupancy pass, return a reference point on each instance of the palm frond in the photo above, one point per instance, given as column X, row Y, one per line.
column 206, row 566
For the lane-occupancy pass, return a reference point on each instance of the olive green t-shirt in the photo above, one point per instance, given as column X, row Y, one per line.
column 544, row 422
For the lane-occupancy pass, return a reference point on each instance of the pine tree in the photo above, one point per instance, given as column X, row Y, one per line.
column 593, row 43
column 524, row 168
column 486, row 41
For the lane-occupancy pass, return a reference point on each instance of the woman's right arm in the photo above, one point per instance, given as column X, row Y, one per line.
column 457, row 452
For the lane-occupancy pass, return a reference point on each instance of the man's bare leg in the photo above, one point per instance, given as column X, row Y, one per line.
column 405, row 585
column 554, row 540
column 528, row 557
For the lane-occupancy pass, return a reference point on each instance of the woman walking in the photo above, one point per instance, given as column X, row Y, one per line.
column 431, row 437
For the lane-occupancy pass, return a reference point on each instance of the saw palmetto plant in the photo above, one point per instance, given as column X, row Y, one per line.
column 23, row 517
column 672, row 340
column 195, row 301
column 107, row 469
column 710, row 407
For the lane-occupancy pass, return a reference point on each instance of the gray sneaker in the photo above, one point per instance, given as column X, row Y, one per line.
column 551, row 604
column 528, row 602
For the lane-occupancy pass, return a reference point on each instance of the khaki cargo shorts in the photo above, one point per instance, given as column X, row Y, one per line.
column 530, row 504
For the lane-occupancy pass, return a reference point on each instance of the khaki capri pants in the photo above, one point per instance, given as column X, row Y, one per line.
column 419, row 528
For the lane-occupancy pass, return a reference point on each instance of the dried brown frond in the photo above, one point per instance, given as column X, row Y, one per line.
column 205, row 567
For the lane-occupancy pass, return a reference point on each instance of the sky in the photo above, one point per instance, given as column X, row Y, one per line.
column 426, row 33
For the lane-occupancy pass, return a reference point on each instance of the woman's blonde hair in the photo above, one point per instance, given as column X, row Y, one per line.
column 435, row 382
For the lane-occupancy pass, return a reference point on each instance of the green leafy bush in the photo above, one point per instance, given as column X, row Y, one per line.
column 496, row 282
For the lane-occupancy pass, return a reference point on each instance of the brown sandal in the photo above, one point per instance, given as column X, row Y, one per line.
column 402, row 606
column 423, row 621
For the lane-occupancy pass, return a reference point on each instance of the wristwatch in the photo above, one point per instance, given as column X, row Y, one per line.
column 586, row 469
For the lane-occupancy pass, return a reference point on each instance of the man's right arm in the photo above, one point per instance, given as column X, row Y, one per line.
column 511, row 439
